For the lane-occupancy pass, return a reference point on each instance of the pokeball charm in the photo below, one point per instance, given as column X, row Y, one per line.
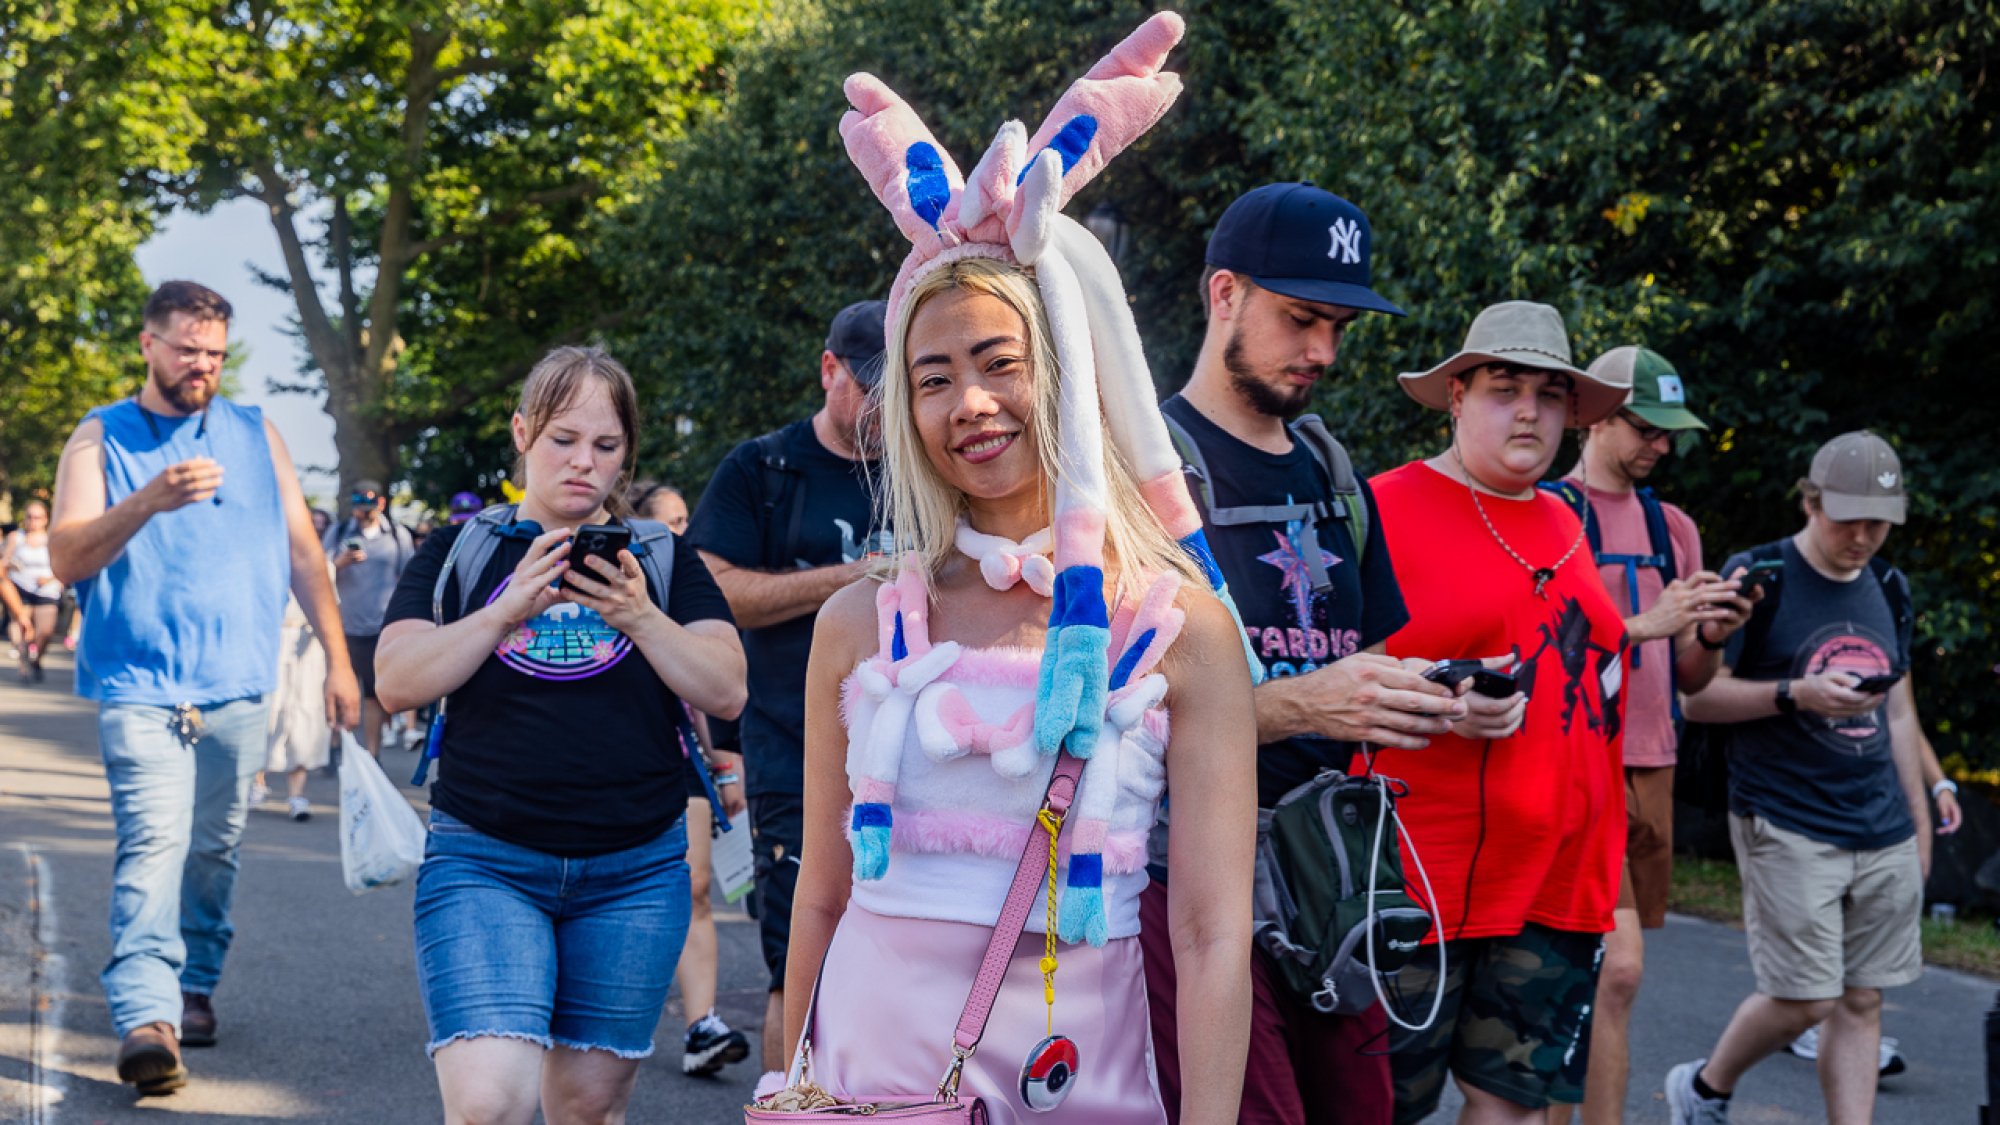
column 1049, row 1073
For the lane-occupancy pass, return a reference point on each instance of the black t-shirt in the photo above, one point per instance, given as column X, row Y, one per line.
column 1833, row 780
column 826, row 498
column 564, row 740
column 1292, row 629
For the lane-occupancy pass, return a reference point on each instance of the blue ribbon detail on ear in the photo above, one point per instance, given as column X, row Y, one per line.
column 1069, row 698
column 1196, row 546
column 1129, row 661
column 929, row 190
column 898, row 647
column 1070, row 142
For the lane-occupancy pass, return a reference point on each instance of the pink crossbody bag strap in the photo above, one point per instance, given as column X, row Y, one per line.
column 1029, row 878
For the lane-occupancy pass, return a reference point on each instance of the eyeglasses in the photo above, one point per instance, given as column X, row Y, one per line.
column 189, row 354
column 1647, row 433
column 364, row 500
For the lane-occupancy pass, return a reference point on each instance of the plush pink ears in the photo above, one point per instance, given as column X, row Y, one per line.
column 1113, row 104
column 909, row 171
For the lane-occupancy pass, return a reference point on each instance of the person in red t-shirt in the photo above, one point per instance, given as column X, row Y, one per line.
column 1678, row 618
column 1519, row 825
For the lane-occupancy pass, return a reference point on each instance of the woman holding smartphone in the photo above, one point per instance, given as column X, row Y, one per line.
column 553, row 899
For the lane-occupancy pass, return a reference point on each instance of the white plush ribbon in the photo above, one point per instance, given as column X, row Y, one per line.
column 1003, row 562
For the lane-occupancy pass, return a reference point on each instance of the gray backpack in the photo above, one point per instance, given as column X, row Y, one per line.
column 652, row 545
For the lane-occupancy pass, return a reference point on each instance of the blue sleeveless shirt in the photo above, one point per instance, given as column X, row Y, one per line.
column 190, row 611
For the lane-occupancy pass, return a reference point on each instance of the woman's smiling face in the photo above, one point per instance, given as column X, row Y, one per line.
column 972, row 394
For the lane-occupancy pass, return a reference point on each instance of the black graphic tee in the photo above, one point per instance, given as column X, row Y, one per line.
column 1292, row 629
column 826, row 497
column 1833, row 780
column 564, row 740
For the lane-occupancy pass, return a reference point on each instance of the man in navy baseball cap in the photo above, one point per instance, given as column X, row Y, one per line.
column 1293, row 527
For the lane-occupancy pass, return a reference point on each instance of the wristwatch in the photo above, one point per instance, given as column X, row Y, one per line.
column 1945, row 786
column 1786, row 704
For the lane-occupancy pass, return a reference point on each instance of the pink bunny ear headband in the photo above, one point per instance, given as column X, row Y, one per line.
column 1010, row 209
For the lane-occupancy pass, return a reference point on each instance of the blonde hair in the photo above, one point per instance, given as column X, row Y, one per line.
column 554, row 386
column 924, row 510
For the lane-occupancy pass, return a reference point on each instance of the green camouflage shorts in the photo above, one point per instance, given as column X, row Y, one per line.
column 1515, row 1021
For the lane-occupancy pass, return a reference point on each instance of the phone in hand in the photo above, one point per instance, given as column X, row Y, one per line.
column 596, row 541
column 1485, row 681
column 1876, row 685
column 353, row 543
column 1766, row 574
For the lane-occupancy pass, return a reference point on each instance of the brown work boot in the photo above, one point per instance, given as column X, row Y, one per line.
column 197, row 1020
column 150, row 1058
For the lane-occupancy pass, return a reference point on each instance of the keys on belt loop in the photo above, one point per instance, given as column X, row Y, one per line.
column 187, row 724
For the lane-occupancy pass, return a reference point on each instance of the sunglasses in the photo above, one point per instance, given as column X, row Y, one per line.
column 364, row 500
column 1646, row 432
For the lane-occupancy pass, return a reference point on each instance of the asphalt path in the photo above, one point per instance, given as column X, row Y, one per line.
column 320, row 1019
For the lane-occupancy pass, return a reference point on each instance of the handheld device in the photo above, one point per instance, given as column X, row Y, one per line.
column 1765, row 574
column 1485, row 681
column 1876, row 685
column 353, row 543
column 597, row 541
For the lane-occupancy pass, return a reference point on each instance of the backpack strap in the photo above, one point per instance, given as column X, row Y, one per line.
column 1192, row 462
column 653, row 546
column 780, row 478
column 1896, row 590
column 468, row 557
column 1348, row 503
column 1572, row 496
column 1331, row 458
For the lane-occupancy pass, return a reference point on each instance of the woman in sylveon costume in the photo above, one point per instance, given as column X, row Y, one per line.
column 936, row 701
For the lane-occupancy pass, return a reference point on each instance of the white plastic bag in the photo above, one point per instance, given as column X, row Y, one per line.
column 381, row 837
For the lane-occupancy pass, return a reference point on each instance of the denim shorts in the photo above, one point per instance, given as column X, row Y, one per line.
column 520, row 944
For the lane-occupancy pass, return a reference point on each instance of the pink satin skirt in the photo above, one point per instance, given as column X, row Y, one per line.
column 893, row 990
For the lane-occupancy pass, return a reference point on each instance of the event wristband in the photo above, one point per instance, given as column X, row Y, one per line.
column 726, row 779
column 1945, row 786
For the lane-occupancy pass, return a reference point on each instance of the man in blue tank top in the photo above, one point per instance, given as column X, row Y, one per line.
column 179, row 520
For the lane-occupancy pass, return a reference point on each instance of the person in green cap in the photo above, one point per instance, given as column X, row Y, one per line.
column 1649, row 555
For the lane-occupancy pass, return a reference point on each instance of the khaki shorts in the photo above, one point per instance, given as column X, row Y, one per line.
column 1822, row 919
column 1649, row 843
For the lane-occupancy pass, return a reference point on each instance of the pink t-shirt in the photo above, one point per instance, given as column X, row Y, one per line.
column 1649, row 716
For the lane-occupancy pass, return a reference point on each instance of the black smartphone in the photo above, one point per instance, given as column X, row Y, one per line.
column 597, row 541
column 1876, row 685
column 1451, row 672
column 1492, row 684
column 1765, row 574
column 353, row 544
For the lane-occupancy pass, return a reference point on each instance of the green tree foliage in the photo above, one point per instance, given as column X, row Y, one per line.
column 1796, row 203
column 433, row 169
column 73, row 117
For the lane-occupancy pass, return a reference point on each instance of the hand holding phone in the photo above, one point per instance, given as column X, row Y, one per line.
column 1876, row 685
column 1485, row 681
column 596, row 541
column 1764, row 575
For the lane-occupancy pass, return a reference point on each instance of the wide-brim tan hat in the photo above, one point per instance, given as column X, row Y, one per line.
column 1520, row 334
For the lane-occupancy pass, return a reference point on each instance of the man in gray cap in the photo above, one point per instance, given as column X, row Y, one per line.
column 787, row 520
column 1825, row 787
column 1678, row 617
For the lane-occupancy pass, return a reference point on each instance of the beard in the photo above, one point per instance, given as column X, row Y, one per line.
column 1278, row 402
column 189, row 396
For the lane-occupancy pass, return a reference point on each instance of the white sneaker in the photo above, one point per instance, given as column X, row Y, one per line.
column 259, row 792
column 1684, row 1106
column 300, row 808
column 1806, row 1046
column 1889, row 1060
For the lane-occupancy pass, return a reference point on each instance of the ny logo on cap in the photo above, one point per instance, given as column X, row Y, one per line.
column 1671, row 389
column 1346, row 246
column 1886, row 480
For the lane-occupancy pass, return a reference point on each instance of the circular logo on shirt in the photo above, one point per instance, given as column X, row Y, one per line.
column 1839, row 648
column 567, row 641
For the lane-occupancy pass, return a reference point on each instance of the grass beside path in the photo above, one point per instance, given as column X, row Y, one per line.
column 1710, row 889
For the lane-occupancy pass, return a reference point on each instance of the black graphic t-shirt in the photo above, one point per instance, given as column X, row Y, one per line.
column 1292, row 629
column 1833, row 780
column 826, row 497
column 564, row 740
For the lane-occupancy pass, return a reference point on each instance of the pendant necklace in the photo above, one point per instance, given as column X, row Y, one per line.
column 1541, row 574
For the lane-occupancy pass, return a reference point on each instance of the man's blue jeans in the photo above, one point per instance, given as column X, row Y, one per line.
column 180, row 811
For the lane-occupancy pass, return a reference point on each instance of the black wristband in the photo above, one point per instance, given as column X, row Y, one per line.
column 1701, row 638
column 1785, row 703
